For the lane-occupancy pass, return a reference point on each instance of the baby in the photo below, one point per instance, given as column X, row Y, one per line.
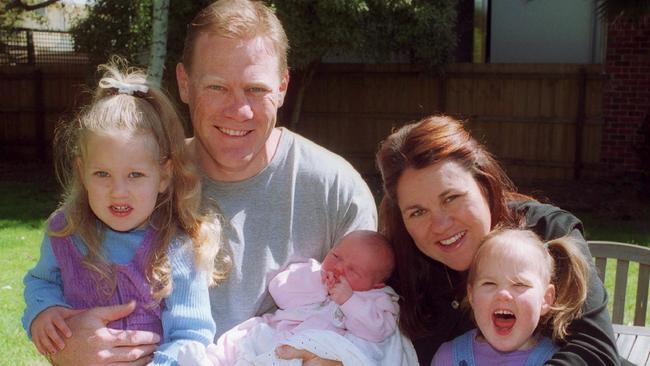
column 345, row 294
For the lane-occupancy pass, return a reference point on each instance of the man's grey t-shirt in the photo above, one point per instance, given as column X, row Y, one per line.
column 296, row 208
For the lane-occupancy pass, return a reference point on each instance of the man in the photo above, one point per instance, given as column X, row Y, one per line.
column 283, row 198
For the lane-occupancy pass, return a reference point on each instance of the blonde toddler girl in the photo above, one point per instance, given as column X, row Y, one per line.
column 129, row 228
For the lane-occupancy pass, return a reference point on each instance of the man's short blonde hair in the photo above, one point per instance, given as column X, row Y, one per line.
column 238, row 19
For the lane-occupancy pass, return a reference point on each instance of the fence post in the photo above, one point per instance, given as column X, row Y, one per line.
column 442, row 93
column 39, row 116
column 31, row 53
column 580, row 122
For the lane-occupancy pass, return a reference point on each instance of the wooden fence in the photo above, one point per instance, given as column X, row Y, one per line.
column 542, row 121
column 34, row 99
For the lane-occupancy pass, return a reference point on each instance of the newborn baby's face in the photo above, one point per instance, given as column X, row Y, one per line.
column 349, row 259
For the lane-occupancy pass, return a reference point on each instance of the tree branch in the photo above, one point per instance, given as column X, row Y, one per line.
column 18, row 4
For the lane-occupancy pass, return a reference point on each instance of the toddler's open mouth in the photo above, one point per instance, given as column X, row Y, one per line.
column 504, row 321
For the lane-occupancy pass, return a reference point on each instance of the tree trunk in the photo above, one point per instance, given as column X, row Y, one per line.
column 300, row 96
column 158, row 42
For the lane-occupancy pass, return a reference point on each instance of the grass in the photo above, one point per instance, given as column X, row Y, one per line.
column 23, row 209
column 626, row 230
column 26, row 199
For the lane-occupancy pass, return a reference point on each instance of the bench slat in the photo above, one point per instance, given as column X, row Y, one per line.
column 620, row 288
column 624, row 343
column 611, row 249
column 642, row 294
column 640, row 351
column 601, row 265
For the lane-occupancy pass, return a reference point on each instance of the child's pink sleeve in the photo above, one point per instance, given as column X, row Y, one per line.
column 371, row 315
column 298, row 285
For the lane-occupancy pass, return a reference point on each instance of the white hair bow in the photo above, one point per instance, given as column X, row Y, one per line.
column 122, row 87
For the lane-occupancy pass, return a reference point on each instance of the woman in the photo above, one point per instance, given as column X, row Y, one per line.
column 443, row 192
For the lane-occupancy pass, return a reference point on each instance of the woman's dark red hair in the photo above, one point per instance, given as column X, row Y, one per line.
column 416, row 146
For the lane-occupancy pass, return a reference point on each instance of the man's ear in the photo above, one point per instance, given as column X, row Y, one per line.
column 183, row 81
column 549, row 299
column 165, row 176
column 284, row 85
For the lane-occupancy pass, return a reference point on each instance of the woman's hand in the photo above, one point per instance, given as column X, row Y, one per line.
column 308, row 359
column 94, row 344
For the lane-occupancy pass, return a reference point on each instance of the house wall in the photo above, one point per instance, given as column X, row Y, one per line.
column 60, row 16
column 626, row 95
column 545, row 31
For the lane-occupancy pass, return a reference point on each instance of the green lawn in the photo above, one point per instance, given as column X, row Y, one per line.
column 23, row 209
column 26, row 202
column 636, row 231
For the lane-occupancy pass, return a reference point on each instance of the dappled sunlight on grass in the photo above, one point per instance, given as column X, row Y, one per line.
column 24, row 206
column 20, row 250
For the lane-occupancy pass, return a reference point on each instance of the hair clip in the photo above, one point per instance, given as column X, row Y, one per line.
column 122, row 87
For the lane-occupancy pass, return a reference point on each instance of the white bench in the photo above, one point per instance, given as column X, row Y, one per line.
column 633, row 341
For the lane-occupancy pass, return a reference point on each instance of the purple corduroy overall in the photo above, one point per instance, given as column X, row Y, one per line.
column 81, row 290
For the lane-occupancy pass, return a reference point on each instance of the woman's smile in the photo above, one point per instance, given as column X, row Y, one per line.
column 444, row 211
column 453, row 240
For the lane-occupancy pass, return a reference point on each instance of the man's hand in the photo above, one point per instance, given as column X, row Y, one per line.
column 308, row 359
column 49, row 328
column 340, row 291
column 93, row 344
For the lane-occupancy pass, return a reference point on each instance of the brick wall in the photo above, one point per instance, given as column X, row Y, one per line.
column 626, row 103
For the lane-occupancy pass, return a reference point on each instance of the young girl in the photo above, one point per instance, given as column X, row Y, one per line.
column 524, row 293
column 345, row 294
column 129, row 228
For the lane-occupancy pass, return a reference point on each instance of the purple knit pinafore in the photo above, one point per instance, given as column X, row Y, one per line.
column 81, row 291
